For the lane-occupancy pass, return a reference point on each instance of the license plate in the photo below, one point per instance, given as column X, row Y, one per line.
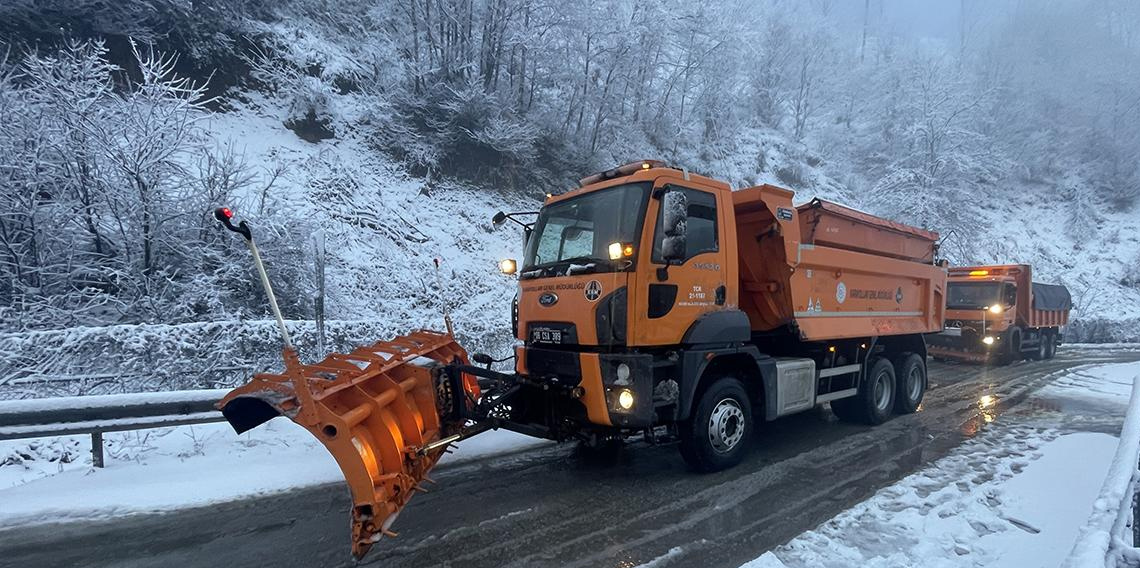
column 545, row 335
column 952, row 331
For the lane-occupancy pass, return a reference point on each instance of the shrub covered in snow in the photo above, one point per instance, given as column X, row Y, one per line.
column 139, row 358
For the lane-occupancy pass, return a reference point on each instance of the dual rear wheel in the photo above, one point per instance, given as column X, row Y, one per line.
column 718, row 433
column 891, row 385
column 1046, row 346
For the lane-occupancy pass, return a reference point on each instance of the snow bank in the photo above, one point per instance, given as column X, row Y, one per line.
column 1101, row 541
column 49, row 480
column 1016, row 495
column 1011, row 499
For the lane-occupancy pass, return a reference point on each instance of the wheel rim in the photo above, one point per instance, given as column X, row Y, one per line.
column 726, row 425
column 914, row 383
column 882, row 391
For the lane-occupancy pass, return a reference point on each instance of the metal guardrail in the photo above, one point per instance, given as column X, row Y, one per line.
column 95, row 415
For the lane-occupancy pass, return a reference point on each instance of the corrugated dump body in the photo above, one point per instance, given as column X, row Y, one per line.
column 832, row 272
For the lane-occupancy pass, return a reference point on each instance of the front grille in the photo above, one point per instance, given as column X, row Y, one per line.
column 554, row 362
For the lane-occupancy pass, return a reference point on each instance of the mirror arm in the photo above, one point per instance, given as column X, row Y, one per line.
column 511, row 217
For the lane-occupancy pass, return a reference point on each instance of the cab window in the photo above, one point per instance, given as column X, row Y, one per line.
column 1009, row 294
column 701, row 233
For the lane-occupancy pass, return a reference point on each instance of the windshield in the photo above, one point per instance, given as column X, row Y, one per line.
column 973, row 295
column 579, row 231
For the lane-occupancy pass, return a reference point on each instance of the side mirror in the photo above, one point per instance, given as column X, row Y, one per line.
column 675, row 225
column 499, row 219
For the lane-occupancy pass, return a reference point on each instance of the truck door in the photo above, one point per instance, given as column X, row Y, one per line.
column 679, row 292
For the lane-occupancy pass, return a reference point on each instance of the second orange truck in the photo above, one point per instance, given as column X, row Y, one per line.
column 999, row 314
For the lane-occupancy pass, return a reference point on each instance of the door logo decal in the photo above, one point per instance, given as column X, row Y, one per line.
column 593, row 290
column 840, row 292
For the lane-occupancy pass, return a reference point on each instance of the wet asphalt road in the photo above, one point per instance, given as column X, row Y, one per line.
column 561, row 507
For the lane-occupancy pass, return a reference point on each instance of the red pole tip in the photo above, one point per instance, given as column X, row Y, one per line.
column 227, row 212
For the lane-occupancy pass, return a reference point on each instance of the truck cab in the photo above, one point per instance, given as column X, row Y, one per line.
column 997, row 313
column 608, row 280
column 639, row 300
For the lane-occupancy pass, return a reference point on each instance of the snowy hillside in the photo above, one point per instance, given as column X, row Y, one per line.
column 383, row 228
column 366, row 141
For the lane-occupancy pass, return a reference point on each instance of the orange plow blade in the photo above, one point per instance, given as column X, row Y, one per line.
column 384, row 411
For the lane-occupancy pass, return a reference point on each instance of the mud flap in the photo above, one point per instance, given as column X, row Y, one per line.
column 380, row 410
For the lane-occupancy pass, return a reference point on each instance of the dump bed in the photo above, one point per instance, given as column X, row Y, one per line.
column 830, row 272
column 834, row 225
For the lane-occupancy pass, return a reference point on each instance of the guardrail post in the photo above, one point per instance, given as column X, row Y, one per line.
column 97, row 449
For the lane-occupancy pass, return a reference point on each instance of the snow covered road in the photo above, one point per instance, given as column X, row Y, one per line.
column 1013, row 496
column 556, row 506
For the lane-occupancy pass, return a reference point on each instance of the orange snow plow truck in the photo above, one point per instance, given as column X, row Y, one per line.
column 999, row 314
column 651, row 301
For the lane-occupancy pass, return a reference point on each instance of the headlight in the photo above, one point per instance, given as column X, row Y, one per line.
column 615, row 251
column 508, row 266
column 625, row 399
column 619, row 250
column 996, row 309
column 988, row 340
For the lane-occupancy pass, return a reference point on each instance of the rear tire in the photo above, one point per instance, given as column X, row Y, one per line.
column 1041, row 352
column 910, row 376
column 1051, row 348
column 875, row 399
column 719, row 432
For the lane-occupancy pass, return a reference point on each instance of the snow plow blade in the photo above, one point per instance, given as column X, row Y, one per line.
column 385, row 412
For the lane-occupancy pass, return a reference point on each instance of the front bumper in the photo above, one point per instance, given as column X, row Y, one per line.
column 965, row 342
column 597, row 382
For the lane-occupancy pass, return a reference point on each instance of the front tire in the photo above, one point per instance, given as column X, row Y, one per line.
column 1011, row 351
column 718, row 433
